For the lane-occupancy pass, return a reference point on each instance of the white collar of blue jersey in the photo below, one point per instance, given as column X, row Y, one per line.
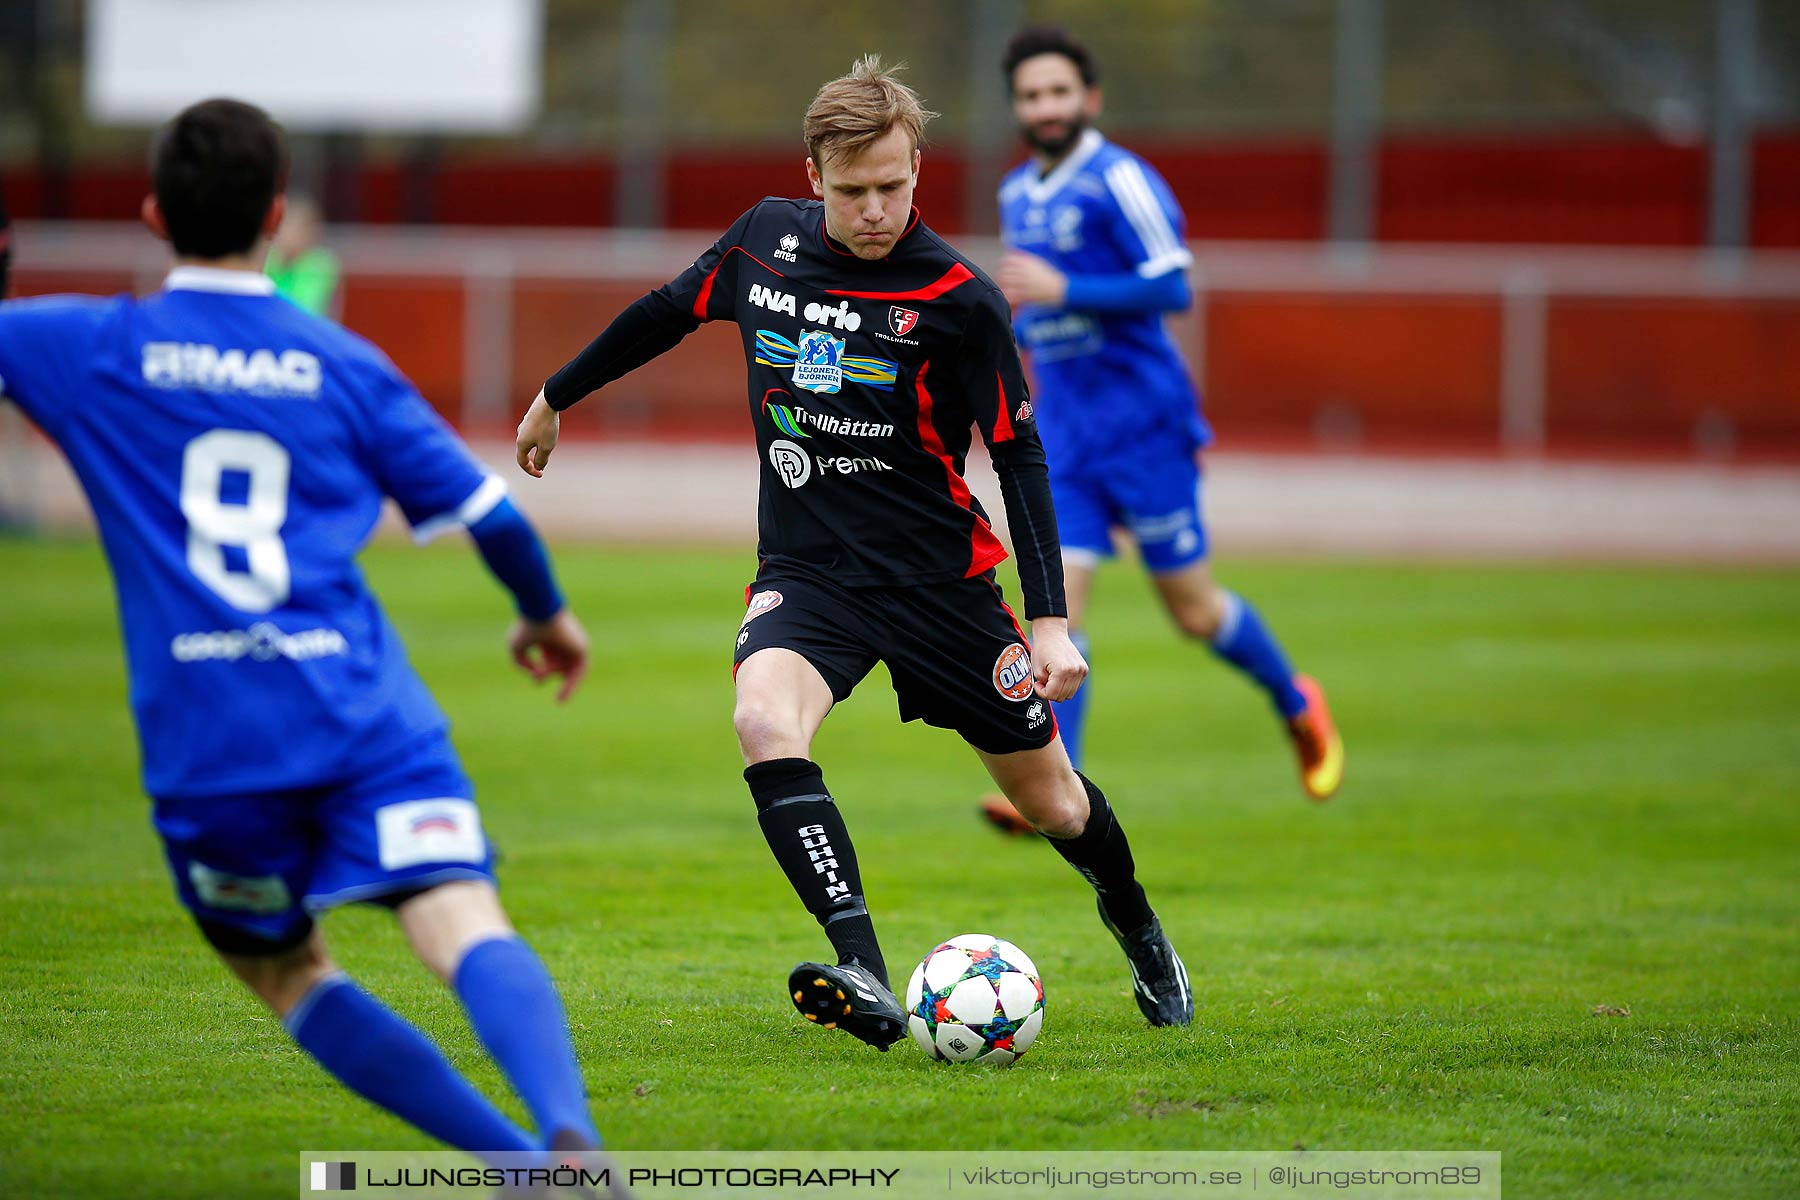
column 219, row 279
column 1040, row 190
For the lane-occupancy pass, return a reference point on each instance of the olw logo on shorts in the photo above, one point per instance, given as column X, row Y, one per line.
column 1012, row 672
column 759, row 604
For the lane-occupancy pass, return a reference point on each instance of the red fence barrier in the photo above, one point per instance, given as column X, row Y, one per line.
column 1558, row 350
column 1552, row 189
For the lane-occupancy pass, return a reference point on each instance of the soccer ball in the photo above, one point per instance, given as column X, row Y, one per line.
column 976, row 998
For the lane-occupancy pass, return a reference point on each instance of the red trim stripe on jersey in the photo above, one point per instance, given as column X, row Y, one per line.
column 985, row 549
column 955, row 277
column 1003, row 430
column 706, row 287
column 1010, row 615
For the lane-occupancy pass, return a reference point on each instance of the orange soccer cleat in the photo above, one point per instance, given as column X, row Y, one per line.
column 1003, row 816
column 1316, row 741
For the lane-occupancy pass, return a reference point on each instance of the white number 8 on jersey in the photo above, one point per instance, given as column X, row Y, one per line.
column 255, row 524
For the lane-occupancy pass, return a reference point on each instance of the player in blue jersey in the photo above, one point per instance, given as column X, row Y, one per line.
column 236, row 451
column 1096, row 256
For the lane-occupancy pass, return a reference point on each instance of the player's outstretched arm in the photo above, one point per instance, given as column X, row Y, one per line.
column 652, row 324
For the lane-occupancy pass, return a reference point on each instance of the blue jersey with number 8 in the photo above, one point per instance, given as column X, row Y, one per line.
column 236, row 451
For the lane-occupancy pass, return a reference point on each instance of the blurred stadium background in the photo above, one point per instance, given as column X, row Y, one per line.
column 1444, row 246
column 1507, row 278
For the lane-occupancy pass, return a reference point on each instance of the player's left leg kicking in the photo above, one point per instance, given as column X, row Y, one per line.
column 255, row 870
column 943, row 676
column 1075, row 817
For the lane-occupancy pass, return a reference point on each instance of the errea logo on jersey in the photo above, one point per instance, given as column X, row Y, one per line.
column 789, row 243
column 771, row 299
column 193, row 364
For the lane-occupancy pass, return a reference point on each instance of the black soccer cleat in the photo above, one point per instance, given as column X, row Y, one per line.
column 1158, row 978
column 848, row 997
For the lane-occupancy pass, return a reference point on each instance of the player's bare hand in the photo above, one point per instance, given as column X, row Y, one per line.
column 1057, row 667
column 556, row 647
column 537, row 436
column 1028, row 279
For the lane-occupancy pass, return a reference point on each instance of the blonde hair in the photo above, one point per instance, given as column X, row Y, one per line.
column 855, row 110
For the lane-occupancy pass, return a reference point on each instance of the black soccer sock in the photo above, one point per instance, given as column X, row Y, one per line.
column 1103, row 856
column 805, row 830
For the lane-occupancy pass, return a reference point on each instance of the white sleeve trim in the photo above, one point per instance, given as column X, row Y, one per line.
column 1125, row 179
column 1162, row 264
column 480, row 503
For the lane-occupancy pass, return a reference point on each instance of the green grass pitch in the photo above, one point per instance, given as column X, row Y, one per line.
column 1555, row 913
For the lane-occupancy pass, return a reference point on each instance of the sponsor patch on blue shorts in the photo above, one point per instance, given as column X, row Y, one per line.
column 266, row 862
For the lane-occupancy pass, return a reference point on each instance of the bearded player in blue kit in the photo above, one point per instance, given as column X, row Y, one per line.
column 236, row 451
column 1095, row 257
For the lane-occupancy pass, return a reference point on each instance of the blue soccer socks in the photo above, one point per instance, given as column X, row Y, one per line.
column 1072, row 713
column 1246, row 643
column 518, row 1016
column 379, row 1056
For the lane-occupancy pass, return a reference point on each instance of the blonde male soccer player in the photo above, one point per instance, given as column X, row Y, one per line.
column 873, row 348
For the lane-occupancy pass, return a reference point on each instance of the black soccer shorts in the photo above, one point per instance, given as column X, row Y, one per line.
column 955, row 651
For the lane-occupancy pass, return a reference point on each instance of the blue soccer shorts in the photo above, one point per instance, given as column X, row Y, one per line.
column 1156, row 498
column 257, row 868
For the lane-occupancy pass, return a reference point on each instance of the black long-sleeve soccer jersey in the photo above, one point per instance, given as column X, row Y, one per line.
column 865, row 378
